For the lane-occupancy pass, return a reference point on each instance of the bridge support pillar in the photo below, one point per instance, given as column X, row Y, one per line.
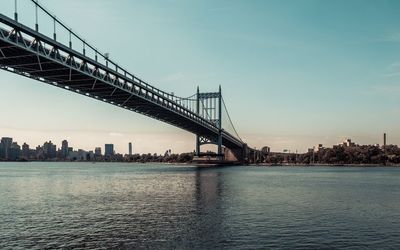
column 198, row 145
column 220, row 123
column 245, row 154
column 198, row 113
column 209, row 106
column 220, row 146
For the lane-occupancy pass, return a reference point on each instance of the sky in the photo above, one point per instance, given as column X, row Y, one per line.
column 293, row 73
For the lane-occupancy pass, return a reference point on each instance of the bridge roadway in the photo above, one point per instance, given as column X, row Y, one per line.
column 27, row 52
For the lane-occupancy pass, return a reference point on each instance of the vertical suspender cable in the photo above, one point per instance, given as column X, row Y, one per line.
column 15, row 11
column 54, row 28
column 36, row 16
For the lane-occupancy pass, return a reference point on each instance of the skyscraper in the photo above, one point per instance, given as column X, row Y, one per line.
column 108, row 149
column 49, row 150
column 15, row 152
column 64, row 148
column 130, row 148
column 6, row 143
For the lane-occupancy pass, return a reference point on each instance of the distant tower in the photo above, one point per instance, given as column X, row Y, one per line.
column 6, row 142
column 384, row 139
column 130, row 148
column 64, row 148
column 108, row 150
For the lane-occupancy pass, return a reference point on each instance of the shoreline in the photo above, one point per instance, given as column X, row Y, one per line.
column 194, row 164
column 324, row 165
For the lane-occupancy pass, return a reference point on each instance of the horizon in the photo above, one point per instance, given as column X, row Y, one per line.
column 71, row 144
column 293, row 74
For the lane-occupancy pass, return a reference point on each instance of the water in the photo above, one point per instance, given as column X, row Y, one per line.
column 102, row 205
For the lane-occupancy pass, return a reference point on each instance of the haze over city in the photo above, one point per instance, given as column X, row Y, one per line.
column 293, row 75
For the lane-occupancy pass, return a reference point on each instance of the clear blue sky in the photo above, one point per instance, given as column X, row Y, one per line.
column 293, row 73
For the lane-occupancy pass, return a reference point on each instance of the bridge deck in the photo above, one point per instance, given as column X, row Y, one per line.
column 28, row 53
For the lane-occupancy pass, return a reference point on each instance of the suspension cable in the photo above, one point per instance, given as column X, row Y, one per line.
column 230, row 120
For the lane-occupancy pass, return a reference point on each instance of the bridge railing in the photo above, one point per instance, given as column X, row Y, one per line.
column 176, row 104
column 76, row 42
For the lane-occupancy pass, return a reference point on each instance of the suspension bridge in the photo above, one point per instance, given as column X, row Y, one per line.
column 77, row 66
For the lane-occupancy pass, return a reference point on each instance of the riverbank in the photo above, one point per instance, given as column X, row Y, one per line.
column 323, row 165
column 211, row 165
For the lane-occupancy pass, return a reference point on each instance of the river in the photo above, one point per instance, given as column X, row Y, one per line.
column 116, row 205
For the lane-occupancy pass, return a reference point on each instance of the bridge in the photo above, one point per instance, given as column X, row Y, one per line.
column 77, row 66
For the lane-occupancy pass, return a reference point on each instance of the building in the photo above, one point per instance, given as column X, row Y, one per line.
column 49, row 150
column 2, row 151
column 97, row 152
column 90, row 156
column 384, row 140
column 64, row 149
column 130, row 148
column 108, row 150
column 83, row 155
column 15, row 151
column 25, row 151
column 73, row 156
column 348, row 143
column 6, row 143
column 39, row 153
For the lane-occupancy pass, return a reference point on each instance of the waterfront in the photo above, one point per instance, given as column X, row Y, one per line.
column 110, row 205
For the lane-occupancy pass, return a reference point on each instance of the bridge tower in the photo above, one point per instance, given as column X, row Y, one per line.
column 209, row 106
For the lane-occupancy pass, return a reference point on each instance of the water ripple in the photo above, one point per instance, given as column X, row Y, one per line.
column 103, row 206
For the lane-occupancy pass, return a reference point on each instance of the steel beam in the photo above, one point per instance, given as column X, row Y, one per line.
column 152, row 102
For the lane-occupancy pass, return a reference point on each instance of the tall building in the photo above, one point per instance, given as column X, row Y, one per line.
column 6, row 141
column 6, row 146
column 97, row 151
column 384, row 139
column 64, row 149
column 108, row 149
column 49, row 150
column 15, row 151
column 25, row 151
column 130, row 148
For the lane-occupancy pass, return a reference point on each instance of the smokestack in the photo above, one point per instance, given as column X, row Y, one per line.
column 384, row 139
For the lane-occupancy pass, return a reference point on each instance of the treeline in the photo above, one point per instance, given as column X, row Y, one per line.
column 167, row 158
column 341, row 155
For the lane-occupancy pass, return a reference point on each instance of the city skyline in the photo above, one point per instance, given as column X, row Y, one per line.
column 60, row 146
column 10, row 149
column 327, row 81
column 109, row 148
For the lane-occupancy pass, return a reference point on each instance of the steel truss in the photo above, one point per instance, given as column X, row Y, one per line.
column 28, row 53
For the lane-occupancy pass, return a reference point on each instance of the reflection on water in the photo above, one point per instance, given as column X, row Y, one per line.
column 55, row 205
